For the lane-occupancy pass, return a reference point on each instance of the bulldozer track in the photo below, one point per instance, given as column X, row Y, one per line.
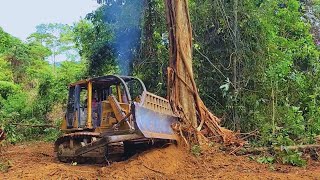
column 66, row 153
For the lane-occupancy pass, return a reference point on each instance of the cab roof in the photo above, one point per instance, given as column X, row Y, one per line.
column 107, row 79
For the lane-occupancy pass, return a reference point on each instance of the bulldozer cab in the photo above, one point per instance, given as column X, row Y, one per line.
column 100, row 103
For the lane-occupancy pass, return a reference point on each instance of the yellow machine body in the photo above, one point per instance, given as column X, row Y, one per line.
column 111, row 109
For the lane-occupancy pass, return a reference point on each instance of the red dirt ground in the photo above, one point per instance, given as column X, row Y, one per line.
column 37, row 161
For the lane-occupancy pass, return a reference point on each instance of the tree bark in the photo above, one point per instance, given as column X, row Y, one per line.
column 182, row 91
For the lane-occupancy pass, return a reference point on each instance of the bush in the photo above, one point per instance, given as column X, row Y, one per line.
column 8, row 88
column 15, row 107
column 51, row 134
column 293, row 158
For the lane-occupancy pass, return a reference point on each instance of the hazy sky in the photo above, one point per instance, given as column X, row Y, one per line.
column 20, row 17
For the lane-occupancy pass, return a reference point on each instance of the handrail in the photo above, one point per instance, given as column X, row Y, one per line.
column 156, row 103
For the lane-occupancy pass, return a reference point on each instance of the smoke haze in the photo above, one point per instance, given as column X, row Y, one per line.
column 124, row 18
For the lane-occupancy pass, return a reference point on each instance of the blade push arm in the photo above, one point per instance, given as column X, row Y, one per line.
column 118, row 112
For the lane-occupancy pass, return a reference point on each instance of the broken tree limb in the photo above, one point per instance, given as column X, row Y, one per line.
column 33, row 125
column 154, row 170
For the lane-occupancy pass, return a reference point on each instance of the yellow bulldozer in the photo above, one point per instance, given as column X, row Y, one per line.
column 106, row 116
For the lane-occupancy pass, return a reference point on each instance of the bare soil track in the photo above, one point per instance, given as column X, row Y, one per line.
column 37, row 160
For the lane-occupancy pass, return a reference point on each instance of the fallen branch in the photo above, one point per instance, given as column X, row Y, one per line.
column 153, row 170
column 37, row 125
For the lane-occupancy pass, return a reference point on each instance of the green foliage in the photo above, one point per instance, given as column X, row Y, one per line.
column 7, row 42
column 277, row 65
column 28, row 85
column 12, row 135
column 52, row 134
column 57, row 38
column 293, row 158
column 15, row 107
column 196, row 150
column 6, row 73
column 8, row 88
column 152, row 62
column 288, row 71
column 5, row 165
column 92, row 38
column 266, row 160
column 286, row 157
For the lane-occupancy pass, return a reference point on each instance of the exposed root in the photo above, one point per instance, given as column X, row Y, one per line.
column 153, row 170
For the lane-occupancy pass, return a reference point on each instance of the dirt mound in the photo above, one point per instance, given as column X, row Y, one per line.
column 175, row 163
column 157, row 163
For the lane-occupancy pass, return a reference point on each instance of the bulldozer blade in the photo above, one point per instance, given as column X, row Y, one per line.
column 153, row 124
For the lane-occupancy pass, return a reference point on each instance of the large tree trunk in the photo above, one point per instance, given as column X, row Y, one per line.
column 182, row 90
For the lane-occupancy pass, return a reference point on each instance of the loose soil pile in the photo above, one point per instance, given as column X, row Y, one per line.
column 37, row 161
